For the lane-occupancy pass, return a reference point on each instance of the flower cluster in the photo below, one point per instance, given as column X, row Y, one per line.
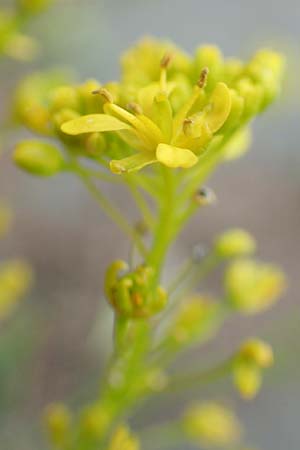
column 169, row 111
column 168, row 107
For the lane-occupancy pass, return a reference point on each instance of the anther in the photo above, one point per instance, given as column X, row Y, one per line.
column 203, row 78
column 135, row 108
column 105, row 94
column 165, row 61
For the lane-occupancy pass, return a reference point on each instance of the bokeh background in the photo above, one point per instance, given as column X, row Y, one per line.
column 54, row 346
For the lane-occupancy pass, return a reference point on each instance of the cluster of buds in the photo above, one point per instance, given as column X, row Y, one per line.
column 168, row 107
column 134, row 294
column 13, row 42
column 253, row 357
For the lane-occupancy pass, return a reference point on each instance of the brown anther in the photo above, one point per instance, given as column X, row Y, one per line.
column 135, row 108
column 186, row 123
column 137, row 299
column 165, row 61
column 203, row 78
column 105, row 94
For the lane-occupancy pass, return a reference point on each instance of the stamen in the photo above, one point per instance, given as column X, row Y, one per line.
column 203, row 78
column 164, row 64
column 165, row 61
column 186, row 125
column 105, row 94
column 135, row 108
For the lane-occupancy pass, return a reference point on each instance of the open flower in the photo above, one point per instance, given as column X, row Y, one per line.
column 152, row 126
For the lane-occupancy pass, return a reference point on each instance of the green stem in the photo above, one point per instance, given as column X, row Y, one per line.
column 194, row 380
column 163, row 232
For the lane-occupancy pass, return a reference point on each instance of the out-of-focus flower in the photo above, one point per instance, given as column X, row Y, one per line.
column 58, row 422
column 123, row 439
column 234, row 242
column 15, row 279
column 252, row 287
column 39, row 158
column 211, row 424
column 253, row 356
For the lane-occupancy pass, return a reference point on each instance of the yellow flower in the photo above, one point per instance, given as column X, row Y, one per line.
column 123, row 439
column 154, row 128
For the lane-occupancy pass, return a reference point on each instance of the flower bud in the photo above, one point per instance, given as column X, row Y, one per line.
column 247, row 379
column 132, row 295
column 123, row 439
column 258, row 352
column 64, row 97
column 211, row 424
column 58, row 421
column 252, row 287
column 38, row 158
column 15, row 279
column 234, row 242
column 95, row 421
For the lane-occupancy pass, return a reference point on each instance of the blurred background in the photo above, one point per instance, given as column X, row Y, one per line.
column 53, row 348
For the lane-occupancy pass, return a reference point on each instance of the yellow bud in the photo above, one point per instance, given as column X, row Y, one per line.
column 58, row 421
column 90, row 102
column 247, row 379
column 38, row 158
column 211, row 424
column 15, row 279
column 123, row 439
column 21, row 47
column 234, row 242
column 64, row 97
column 95, row 420
column 253, row 96
column 258, row 352
column 253, row 287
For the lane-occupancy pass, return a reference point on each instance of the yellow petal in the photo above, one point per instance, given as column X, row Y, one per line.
column 220, row 101
column 175, row 157
column 93, row 123
column 132, row 163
